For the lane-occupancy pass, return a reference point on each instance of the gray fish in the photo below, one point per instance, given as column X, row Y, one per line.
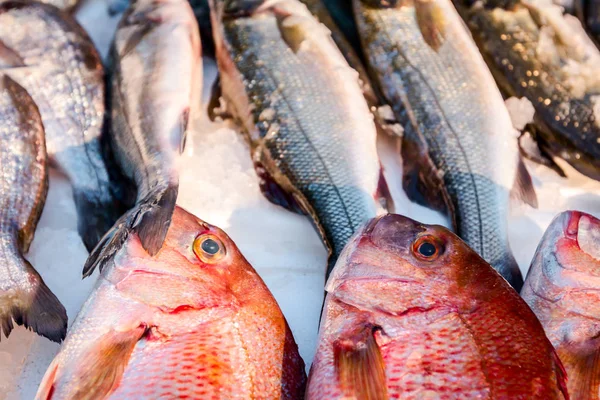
column 460, row 151
column 563, row 289
column 24, row 297
column 311, row 135
column 154, row 94
column 537, row 52
column 47, row 52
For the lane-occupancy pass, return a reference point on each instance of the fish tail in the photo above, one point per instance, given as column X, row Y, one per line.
column 150, row 218
column 508, row 267
column 96, row 215
column 33, row 305
column 153, row 217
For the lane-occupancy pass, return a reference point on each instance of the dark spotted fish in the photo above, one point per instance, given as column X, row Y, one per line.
column 48, row 53
column 24, row 297
column 459, row 149
column 536, row 51
column 154, row 94
column 311, row 134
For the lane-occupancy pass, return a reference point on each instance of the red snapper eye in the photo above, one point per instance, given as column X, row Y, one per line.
column 427, row 248
column 208, row 248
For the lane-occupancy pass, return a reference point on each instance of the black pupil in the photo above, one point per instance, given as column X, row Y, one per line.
column 427, row 249
column 210, row 246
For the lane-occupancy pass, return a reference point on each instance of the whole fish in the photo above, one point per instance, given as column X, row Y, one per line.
column 196, row 321
column 311, row 135
column 412, row 312
column 59, row 66
column 154, row 94
column 460, row 150
column 24, row 297
column 537, row 52
column 563, row 289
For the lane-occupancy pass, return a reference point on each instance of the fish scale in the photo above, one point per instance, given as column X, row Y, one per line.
column 308, row 123
column 437, row 95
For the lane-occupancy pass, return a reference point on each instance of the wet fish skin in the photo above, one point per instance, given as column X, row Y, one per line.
column 154, row 94
column 562, row 288
column 180, row 323
column 399, row 324
column 58, row 64
column 460, row 150
column 24, row 297
column 311, row 135
column 510, row 39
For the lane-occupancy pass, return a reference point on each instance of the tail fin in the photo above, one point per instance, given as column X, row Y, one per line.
column 95, row 216
column 507, row 267
column 149, row 218
column 34, row 306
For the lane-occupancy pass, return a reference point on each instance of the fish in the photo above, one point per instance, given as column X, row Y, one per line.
column 65, row 5
column 196, row 321
column 412, row 312
column 588, row 12
column 24, row 297
column 301, row 108
column 154, row 96
column 460, row 152
column 59, row 66
column 537, row 52
column 562, row 289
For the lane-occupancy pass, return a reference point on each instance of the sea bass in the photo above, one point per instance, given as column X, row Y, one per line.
column 563, row 289
column 412, row 312
column 154, row 94
column 537, row 52
column 311, row 135
column 460, row 150
column 24, row 297
column 59, row 66
column 196, row 321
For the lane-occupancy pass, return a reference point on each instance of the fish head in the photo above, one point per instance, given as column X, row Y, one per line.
column 563, row 283
column 199, row 266
column 398, row 264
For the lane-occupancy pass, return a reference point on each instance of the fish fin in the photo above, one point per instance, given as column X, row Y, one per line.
column 94, row 217
column 153, row 218
column 110, row 244
column 431, row 21
column 9, row 57
column 185, row 121
column 101, row 367
column 383, row 194
column 359, row 365
column 291, row 30
column 422, row 181
column 275, row 193
column 216, row 109
column 531, row 150
column 561, row 373
column 523, row 186
column 147, row 25
column 35, row 307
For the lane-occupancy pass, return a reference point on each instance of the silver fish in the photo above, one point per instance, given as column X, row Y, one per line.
column 311, row 135
column 460, row 150
column 154, row 94
column 47, row 52
column 24, row 297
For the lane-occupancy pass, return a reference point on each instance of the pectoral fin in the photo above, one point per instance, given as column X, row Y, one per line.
column 359, row 365
column 523, row 186
column 431, row 21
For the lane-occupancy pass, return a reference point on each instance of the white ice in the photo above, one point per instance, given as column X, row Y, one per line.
column 219, row 185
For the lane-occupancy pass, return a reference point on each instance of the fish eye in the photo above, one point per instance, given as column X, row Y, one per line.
column 427, row 248
column 208, row 248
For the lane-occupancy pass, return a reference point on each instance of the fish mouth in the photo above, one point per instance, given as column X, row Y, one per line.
column 585, row 229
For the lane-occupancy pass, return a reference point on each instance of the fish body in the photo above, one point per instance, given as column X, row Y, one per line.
column 59, row 66
column 412, row 312
column 537, row 52
column 194, row 321
column 459, row 149
column 24, row 297
column 562, row 288
column 311, row 135
column 154, row 95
